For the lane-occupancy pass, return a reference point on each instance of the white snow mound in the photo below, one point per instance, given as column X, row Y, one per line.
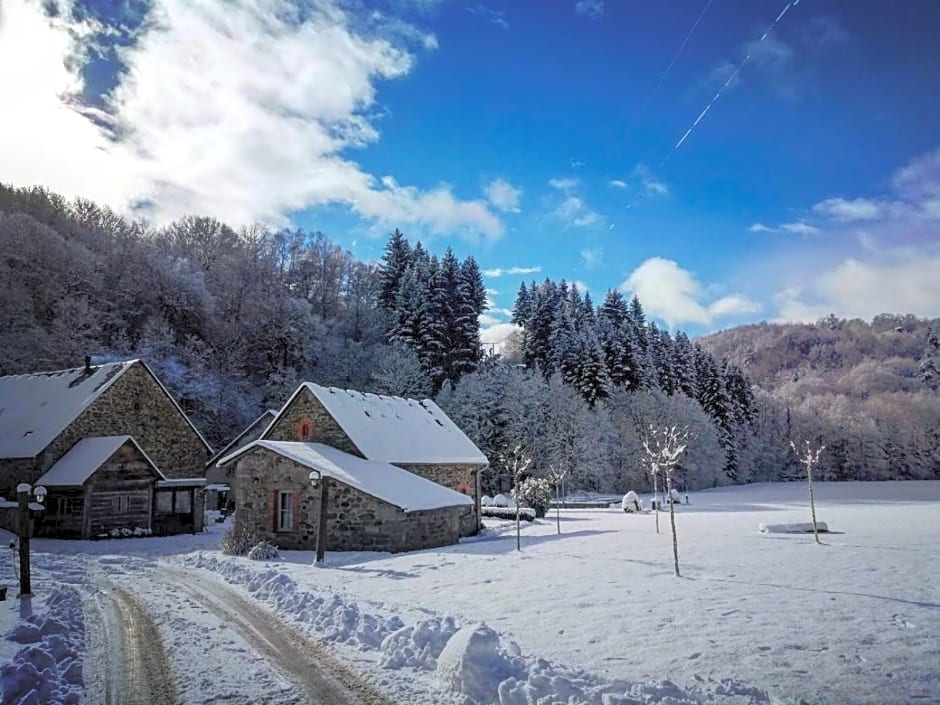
column 800, row 528
column 631, row 503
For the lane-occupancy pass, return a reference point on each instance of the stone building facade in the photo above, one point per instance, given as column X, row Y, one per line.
column 307, row 417
column 44, row 416
column 268, row 484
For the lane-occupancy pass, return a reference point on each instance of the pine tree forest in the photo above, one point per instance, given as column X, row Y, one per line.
column 232, row 320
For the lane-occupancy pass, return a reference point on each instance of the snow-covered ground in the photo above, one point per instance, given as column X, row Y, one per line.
column 756, row 618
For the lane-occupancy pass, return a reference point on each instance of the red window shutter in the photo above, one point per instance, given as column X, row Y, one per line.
column 272, row 509
column 295, row 497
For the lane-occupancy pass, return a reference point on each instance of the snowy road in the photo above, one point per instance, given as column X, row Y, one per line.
column 128, row 659
column 309, row 666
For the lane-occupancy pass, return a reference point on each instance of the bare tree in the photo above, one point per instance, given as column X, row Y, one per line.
column 557, row 475
column 664, row 446
column 517, row 460
column 809, row 458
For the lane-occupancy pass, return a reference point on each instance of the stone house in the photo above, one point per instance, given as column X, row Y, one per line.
column 220, row 481
column 372, row 506
column 64, row 428
column 416, row 436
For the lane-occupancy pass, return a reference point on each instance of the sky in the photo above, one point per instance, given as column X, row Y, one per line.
column 728, row 161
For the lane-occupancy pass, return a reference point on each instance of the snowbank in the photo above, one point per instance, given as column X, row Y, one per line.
column 472, row 662
column 799, row 528
column 631, row 503
column 48, row 667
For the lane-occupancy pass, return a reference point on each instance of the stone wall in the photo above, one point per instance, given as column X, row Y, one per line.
column 356, row 521
column 136, row 405
column 13, row 471
column 306, row 407
column 462, row 478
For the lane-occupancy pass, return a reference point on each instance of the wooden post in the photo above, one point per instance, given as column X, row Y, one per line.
column 322, row 528
column 26, row 587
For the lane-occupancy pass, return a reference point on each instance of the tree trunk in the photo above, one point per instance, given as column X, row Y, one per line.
column 656, row 502
column 672, row 520
column 812, row 501
column 518, row 530
column 558, row 506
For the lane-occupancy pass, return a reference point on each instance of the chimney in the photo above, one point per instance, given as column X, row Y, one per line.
column 87, row 364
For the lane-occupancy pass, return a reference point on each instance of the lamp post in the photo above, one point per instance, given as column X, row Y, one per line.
column 25, row 527
column 323, row 483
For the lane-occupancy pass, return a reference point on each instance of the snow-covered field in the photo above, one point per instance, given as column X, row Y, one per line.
column 756, row 618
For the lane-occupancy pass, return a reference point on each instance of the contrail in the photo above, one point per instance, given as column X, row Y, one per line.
column 676, row 56
column 734, row 74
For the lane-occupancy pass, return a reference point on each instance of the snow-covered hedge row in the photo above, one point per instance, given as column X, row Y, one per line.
column 472, row 661
column 508, row 513
column 264, row 551
column 48, row 667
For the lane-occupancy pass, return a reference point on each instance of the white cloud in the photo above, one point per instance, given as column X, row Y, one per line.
column 590, row 8
column 563, row 183
column 490, row 15
column 503, row 195
column 582, row 286
column 649, row 184
column 858, row 289
column 674, row 294
column 509, row 271
column 733, row 305
column 241, row 110
column 800, row 228
column 761, row 228
column 591, row 256
column 618, row 183
column 495, row 336
column 847, row 210
column 574, row 212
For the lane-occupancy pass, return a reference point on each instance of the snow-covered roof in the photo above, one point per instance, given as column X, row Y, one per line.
column 35, row 408
column 396, row 430
column 182, row 482
column 400, row 488
column 260, row 425
column 86, row 456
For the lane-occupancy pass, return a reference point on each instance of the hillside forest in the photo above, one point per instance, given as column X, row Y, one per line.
column 232, row 320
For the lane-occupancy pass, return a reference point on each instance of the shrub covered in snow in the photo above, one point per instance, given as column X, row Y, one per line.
column 631, row 503
column 674, row 497
column 534, row 492
column 500, row 500
column 240, row 539
column 525, row 513
column 264, row 551
column 486, row 501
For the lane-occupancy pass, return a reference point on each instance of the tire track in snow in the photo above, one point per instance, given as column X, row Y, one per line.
column 129, row 663
column 324, row 680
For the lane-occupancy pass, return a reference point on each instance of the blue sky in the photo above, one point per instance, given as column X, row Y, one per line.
column 538, row 136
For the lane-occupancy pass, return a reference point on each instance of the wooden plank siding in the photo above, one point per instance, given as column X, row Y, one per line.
column 120, row 493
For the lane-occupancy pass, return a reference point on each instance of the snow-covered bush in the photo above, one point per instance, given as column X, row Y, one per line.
column 500, row 500
column 674, row 497
column 264, row 551
column 240, row 539
column 486, row 501
column 525, row 513
column 534, row 492
column 631, row 503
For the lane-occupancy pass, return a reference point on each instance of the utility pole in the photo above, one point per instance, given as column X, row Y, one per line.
column 323, row 483
column 22, row 495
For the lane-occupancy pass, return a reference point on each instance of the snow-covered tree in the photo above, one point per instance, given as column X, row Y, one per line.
column 664, row 446
column 809, row 456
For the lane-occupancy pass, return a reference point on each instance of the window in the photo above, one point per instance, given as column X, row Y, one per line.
column 285, row 511
column 184, row 504
column 305, row 429
column 165, row 502
column 120, row 504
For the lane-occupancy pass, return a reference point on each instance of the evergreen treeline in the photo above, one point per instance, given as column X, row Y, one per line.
column 434, row 306
column 596, row 351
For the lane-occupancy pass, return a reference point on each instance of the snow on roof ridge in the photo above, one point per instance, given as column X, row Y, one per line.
column 383, row 427
column 50, row 373
column 87, row 455
column 389, row 483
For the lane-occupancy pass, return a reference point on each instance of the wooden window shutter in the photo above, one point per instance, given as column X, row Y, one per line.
column 272, row 510
column 295, row 497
